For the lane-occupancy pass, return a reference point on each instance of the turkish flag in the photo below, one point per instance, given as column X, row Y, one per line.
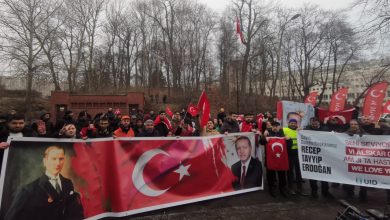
column 169, row 111
column 165, row 121
column 246, row 127
column 337, row 102
column 343, row 116
column 373, row 100
column 312, row 98
column 386, row 108
column 277, row 157
column 123, row 175
column 259, row 120
column 192, row 109
column 204, row 107
column 239, row 31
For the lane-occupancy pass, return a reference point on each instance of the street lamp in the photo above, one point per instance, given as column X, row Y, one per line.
column 282, row 29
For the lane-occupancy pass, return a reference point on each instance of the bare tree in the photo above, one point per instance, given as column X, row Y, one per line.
column 21, row 21
column 253, row 18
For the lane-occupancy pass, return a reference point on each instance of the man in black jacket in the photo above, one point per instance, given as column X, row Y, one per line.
column 16, row 127
column 101, row 130
column 51, row 196
column 248, row 170
column 230, row 125
column 368, row 127
column 161, row 126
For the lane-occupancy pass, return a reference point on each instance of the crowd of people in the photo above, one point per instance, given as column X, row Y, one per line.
column 149, row 124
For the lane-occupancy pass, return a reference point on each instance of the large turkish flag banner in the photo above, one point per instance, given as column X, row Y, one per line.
column 373, row 100
column 149, row 172
column 343, row 116
column 277, row 157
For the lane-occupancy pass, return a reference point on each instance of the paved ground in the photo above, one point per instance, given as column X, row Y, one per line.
column 260, row 205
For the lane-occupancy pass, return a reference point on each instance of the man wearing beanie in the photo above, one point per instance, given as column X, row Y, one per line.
column 149, row 130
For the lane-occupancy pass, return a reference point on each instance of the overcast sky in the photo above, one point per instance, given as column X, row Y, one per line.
column 220, row 5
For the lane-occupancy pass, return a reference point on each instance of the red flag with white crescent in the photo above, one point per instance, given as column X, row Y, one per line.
column 276, row 154
column 386, row 108
column 343, row 116
column 123, row 175
column 169, row 111
column 192, row 109
column 373, row 100
column 312, row 98
column 259, row 120
column 337, row 102
column 239, row 31
column 165, row 121
column 204, row 107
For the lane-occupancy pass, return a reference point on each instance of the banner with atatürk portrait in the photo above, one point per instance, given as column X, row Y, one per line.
column 96, row 178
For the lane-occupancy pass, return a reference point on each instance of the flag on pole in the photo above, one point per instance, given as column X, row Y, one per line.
column 204, row 107
column 239, row 31
column 337, row 102
column 373, row 100
column 192, row 109
column 312, row 98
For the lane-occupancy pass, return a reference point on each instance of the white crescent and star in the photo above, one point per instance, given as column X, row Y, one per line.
column 277, row 144
column 374, row 94
column 388, row 108
column 337, row 96
column 138, row 173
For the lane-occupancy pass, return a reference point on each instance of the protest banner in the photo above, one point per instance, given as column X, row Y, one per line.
column 119, row 177
column 337, row 157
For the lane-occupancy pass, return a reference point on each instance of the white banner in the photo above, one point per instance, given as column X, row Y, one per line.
column 336, row 157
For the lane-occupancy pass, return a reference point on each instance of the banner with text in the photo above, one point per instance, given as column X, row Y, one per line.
column 337, row 157
column 96, row 178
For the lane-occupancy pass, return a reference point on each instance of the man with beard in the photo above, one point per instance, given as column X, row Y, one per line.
column 368, row 127
column 124, row 129
column 101, row 130
column 333, row 125
column 291, row 133
column 15, row 128
column 248, row 124
column 138, row 127
column 149, row 130
column 230, row 125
